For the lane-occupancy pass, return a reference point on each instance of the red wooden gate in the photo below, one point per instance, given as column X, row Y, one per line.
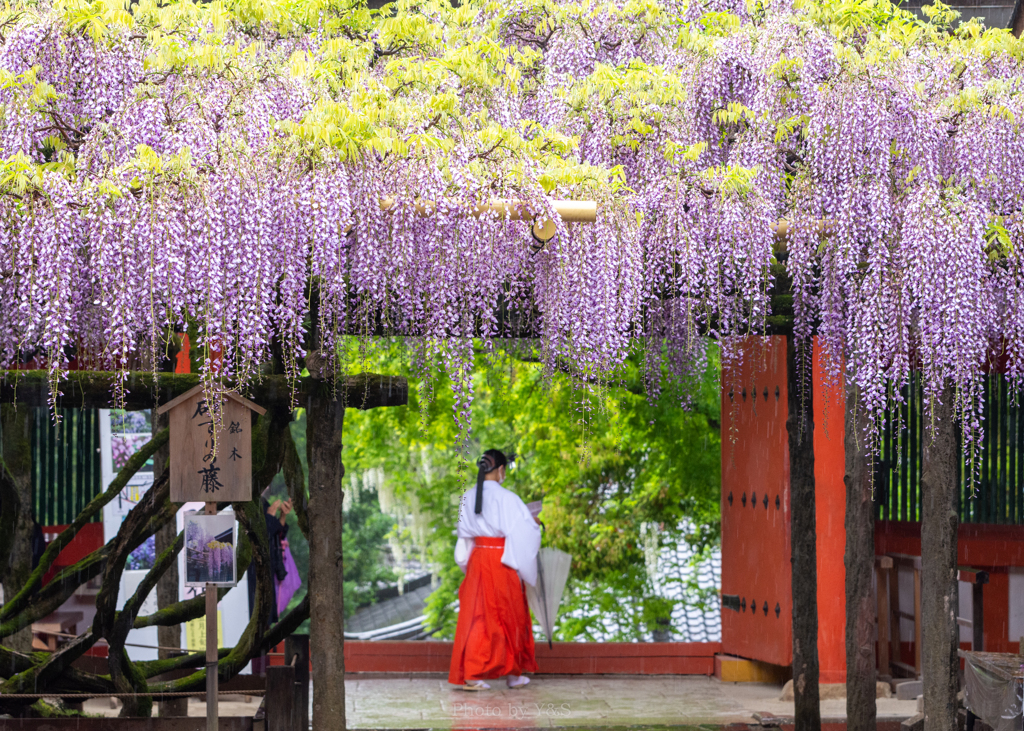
column 756, row 584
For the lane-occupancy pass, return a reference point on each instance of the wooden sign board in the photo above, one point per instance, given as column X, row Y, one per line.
column 197, row 474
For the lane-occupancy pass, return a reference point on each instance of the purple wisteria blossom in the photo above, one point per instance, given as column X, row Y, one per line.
column 207, row 174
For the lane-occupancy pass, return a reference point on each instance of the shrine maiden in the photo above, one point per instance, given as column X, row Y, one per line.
column 498, row 541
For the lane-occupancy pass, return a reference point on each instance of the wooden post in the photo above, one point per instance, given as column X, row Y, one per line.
column 895, row 616
column 280, row 698
column 884, row 614
column 211, row 646
column 804, row 556
column 297, row 647
column 978, row 610
column 324, row 420
column 937, row 585
column 917, row 621
column 859, row 560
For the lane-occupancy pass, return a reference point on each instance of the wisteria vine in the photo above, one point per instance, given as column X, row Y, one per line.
column 254, row 170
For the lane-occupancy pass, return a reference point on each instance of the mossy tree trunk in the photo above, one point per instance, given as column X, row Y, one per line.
column 324, row 420
column 804, row 556
column 861, row 710
column 16, row 434
column 273, row 450
column 167, row 587
column 939, row 592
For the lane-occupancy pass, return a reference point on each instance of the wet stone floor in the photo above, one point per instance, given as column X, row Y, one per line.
column 429, row 702
column 575, row 701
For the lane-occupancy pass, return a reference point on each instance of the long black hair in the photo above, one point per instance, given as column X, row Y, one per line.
column 491, row 460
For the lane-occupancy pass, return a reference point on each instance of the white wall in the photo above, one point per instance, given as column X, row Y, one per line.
column 114, row 513
column 966, row 610
column 1016, row 624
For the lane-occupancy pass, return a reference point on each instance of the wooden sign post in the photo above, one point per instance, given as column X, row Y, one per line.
column 211, row 646
column 200, row 473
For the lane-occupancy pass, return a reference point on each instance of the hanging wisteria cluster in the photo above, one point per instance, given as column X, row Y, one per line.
column 258, row 169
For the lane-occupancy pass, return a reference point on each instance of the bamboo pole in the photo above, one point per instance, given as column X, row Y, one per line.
column 781, row 230
column 570, row 211
column 516, row 210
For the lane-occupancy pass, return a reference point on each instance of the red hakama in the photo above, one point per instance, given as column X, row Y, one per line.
column 494, row 636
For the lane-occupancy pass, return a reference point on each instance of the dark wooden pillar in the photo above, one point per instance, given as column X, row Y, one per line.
column 800, row 429
column 16, row 422
column 860, row 562
column 280, row 698
column 978, row 611
column 939, row 591
column 324, row 420
column 296, row 647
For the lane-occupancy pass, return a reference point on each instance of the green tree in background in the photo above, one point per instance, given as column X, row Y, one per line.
column 364, row 531
column 604, row 460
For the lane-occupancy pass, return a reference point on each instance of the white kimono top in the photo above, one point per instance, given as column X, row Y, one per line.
column 502, row 515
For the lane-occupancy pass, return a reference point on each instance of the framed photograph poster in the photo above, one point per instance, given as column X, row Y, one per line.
column 210, row 542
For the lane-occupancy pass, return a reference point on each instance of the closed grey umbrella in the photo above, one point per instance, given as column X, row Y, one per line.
column 552, row 573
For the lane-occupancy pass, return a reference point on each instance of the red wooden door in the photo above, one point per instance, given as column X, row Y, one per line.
column 756, row 576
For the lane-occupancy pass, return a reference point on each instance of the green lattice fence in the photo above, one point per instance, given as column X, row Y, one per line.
column 998, row 495
column 66, row 464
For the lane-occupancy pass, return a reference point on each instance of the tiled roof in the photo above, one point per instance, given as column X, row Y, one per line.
column 390, row 611
column 675, row 574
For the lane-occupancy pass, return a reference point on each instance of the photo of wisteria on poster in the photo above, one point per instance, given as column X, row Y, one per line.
column 209, row 549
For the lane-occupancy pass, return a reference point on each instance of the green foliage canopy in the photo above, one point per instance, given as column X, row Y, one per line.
column 604, row 461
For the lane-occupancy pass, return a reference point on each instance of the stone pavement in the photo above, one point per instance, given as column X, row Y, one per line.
column 428, row 702
column 552, row 701
column 229, row 705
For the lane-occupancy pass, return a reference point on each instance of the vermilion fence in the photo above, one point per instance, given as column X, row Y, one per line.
column 564, row 658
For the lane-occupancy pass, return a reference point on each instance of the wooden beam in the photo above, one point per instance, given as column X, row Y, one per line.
column 296, row 652
column 280, row 698
column 144, row 390
column 895, row 630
